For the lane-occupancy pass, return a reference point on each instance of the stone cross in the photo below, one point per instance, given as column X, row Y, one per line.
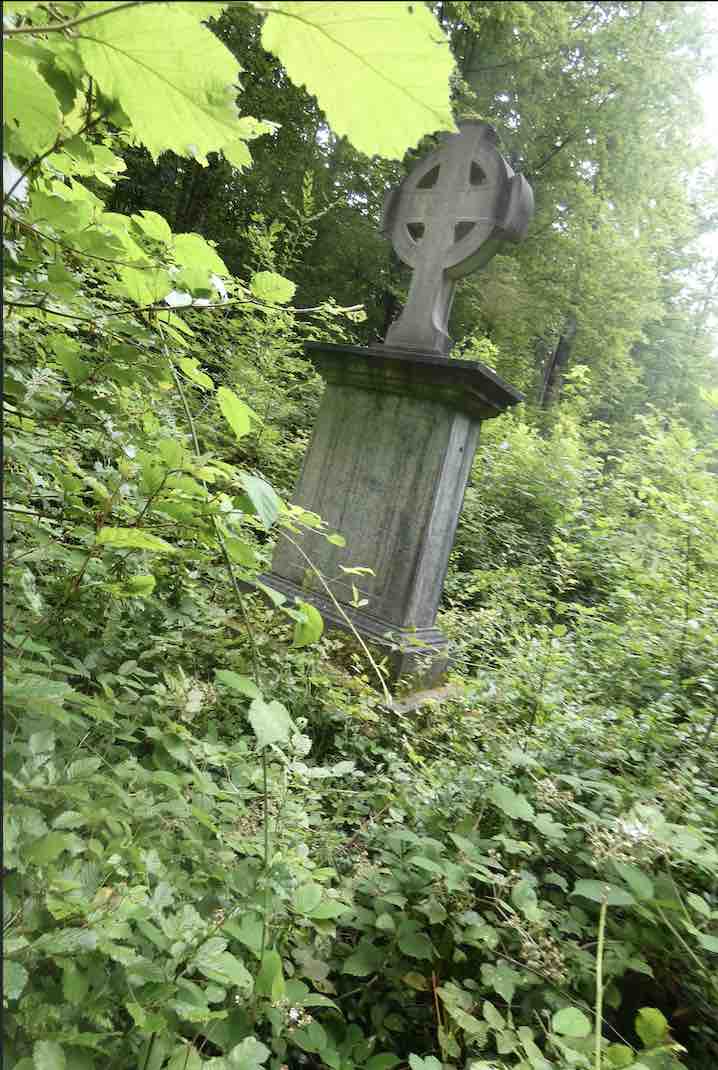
column 448, row 218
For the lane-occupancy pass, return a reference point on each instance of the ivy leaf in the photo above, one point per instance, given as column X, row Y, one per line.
column 397, row 53
column 14, row 979
column 172, row 77
column 47, row 1055
column 236, row 413
column 272, row 288
column 133, row 539
column 30, row 108
column 270, row 722
column 309, row 628
column 510, row 802
column 264, row 498
column 571, row 1022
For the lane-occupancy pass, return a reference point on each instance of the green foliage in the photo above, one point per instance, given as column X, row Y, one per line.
column 221, row 850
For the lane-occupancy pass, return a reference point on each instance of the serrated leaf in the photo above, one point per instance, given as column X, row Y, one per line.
column 45, row 850
column 380, row 71
column 510, row 802
column 309, row 629
column 47, row 1055
column 571, row 1022
column 154, row 226
column 236, row 413
column 30, row 108
column 264, row 498
column 172, row 77
column 270, row 722
column 365, row 959
column 74, row 983
column 14, row 979
column 133, row 539
column 416, row 945
column 636, row 879
column 243, row 685
column 273, row 288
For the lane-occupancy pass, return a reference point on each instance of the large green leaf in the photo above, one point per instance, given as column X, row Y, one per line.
column 264, row 498
column 270, row 722
column 171, row 76
column 271, row 287
column 14, row 979
column 47, row 1055
column 310, row 627
column 30, row 108
column 379, row 70
column 571, row 1022
column 510, row 802
column 236, row 413
column 133, row 539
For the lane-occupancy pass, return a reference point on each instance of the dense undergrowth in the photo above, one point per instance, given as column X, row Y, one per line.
column 222, row 848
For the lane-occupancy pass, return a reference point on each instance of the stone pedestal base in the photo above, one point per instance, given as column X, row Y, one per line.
column 387, row 468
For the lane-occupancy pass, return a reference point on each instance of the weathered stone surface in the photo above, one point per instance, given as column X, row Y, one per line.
column 448, row 218
column 387, row 467
column 399, row 423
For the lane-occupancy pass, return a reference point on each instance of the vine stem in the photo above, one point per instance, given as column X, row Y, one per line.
column 61, row 27
column 598, row 1025
column 252, row 643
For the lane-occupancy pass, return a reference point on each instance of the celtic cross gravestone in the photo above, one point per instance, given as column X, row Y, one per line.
column 398, row 424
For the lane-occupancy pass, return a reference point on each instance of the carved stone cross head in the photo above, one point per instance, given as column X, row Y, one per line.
column 448, row 218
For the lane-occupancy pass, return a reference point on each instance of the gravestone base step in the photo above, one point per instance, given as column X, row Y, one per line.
column 416, row 658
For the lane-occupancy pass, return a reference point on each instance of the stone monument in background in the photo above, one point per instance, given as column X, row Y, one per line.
column 398, row 425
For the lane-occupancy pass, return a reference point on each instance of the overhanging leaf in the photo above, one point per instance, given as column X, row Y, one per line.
column 30, row 108
column 171, row 76
column 379, row 70
column 271, row 287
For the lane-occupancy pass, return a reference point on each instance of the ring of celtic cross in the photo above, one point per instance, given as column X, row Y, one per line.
column 448, row 218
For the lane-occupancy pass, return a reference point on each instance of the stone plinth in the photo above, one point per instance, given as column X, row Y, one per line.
column 387, row 467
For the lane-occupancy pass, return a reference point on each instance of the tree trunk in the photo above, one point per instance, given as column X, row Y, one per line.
column 557, row 363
